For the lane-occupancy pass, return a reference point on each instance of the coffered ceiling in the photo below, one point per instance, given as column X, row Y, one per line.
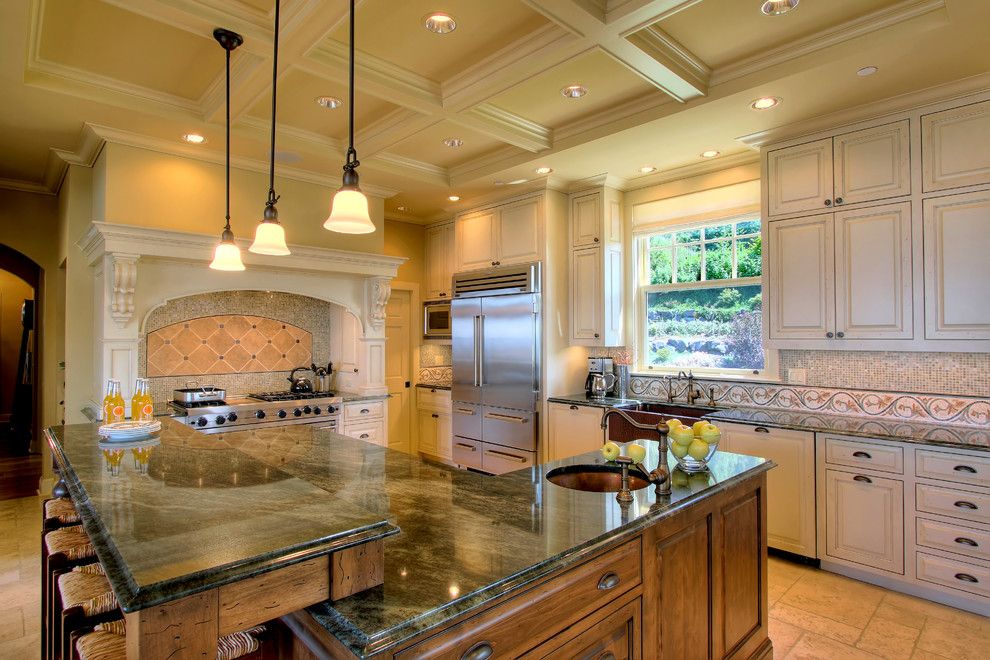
column 665, row 79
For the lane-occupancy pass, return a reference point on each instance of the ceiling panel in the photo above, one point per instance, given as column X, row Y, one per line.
column 608, row 82
column 427, row 145
column 723, row 31
column 112, row 42
column 394, row 32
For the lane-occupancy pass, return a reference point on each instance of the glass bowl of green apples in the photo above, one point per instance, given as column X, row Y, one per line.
column 693, row 446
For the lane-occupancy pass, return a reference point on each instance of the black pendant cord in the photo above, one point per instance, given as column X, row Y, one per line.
column 227, row 228
column 352, row 161
column 272, row 197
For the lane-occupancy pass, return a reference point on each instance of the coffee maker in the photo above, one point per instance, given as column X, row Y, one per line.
column 604, row 385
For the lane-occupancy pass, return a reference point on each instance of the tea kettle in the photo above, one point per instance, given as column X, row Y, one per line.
column 600, row 384
column 299, row 385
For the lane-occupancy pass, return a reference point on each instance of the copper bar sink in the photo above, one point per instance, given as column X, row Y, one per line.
column 594, row 478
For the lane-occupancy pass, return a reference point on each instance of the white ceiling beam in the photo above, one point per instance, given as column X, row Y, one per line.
column 506, row 126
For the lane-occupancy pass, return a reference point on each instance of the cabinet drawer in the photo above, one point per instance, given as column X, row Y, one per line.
column 519, row 624
column 965, row 469
column 468, row 452
column 616, row 636
column 954, row 574
column 953, row 538
column 371, row 431
column 510, row 428
column 954, row 503
column 864, row 455
column 431, row 399
column 467, row 419
column 363, row 410
column 498, row 459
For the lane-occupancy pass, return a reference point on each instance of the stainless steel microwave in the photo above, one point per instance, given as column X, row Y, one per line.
column 436, row 319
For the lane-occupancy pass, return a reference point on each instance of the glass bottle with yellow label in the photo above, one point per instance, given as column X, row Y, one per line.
column 108, row 401
column 115, row 410
column 142, row 408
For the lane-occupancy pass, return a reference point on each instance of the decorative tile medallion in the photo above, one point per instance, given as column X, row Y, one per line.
column 436, row 375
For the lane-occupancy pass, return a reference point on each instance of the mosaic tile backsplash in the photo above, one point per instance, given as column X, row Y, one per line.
column 434, row 364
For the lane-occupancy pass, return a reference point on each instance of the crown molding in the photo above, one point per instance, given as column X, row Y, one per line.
column 874, row 110
column 670, row 53
column 507, row 127
column 596, row 181
column 606, row 122
column 21, row 185
column 719, row 164
column 408, row 167
column 837, row 34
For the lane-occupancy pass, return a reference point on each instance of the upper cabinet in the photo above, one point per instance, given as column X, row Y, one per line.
column 955, row 147
column 439, row 260
column 860, row 166
column 501, row 236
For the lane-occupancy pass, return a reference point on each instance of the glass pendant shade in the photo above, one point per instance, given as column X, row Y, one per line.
column 227, row 256
column 269, row 238
column 349, row 213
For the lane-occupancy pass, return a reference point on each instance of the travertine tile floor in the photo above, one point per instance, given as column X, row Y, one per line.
column 813, row 614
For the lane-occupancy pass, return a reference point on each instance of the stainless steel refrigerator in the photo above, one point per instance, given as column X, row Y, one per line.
column 495, row 327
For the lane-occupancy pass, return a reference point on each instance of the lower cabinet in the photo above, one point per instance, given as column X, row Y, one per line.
column 573, row 430
column 364, row 420
column 433, row 422
column 791, row 485
column 864, row 520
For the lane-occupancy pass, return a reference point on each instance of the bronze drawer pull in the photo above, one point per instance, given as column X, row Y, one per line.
column 966, row 577
column 963, row 504
column 480, row 651
column 509, row 457
column 365, row 411
column 506, row 418
column 609, row 581
column 607, row 655
column 435, row 416
column 761, row 429
column 865, row 480
column 965, row 468
column 464, row 411
column 962, row 540
column 363, row 436
column 573, row 407
column 466, row 446
column 861, row 454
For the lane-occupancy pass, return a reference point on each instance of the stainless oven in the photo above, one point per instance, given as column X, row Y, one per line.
column 436, row 319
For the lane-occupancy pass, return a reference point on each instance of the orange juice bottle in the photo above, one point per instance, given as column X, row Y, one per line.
column 108, row 401
column 142, row 408
column 116, row 404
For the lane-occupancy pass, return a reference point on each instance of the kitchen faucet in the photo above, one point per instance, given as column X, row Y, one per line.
column 660, row 477
column 693, row 393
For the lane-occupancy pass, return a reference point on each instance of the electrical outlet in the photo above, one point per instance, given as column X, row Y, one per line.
column 797, row 376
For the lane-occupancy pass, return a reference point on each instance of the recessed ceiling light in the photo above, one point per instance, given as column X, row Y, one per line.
column 778, row 7
column 544, row 170
column 516, row 182
column 400, row 208
column 711, row 153
column 439, row 22
column 454, row 198
column 453, row 142
column 867, row 71
column 574, row 91
column 765, row 103
column 194, row 138
column 647, row 169
column 329, row 102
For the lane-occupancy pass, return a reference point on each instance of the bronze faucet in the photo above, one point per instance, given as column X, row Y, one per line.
column 693, row 393
column 660, row 477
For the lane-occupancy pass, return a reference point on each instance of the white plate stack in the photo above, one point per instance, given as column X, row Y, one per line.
column 122, row 431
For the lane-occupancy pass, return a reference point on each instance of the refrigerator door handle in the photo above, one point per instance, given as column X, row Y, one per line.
column 481, row 350
column 477, row 350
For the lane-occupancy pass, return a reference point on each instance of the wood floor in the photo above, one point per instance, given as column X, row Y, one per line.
column 19, row 476
column 813, row 614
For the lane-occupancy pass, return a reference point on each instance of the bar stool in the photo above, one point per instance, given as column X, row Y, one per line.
column 62, row 549
column 59, row 512
column 86, row 599
column 108, row 641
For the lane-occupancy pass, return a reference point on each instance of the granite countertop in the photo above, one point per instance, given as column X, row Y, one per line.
column 583, row 399
column 467, row 537
column 351, row 397
column 201, row 512
column 434, row 386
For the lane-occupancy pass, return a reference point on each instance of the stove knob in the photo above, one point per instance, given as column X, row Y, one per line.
column 297, row 412
column 307, row 410
column 202, row 421
column 316, row 410
column 331, row 410
column 232, row 417
column 281, row 414
column 221, row 419
column 260, row 414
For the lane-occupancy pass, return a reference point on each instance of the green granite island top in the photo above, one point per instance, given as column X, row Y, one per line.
column 467, row 538
column 188, row 512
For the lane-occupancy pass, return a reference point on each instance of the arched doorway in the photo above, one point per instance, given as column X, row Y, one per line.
column 21, row 282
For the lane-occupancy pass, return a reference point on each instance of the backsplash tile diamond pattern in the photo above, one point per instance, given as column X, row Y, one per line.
column 227, row 344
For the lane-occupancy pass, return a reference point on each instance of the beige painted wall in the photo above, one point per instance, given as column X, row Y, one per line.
column 403, row 239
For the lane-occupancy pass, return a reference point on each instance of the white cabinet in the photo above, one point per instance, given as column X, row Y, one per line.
column 433, row 421
column 596, row 266
column 955, row 147
column 790, row 485
column 957, row 271
column 573, row 430
column 860, row 166
column 843, row 275
column 364, row 420
column 864, row 520
column 439, row 260
column 505, row 235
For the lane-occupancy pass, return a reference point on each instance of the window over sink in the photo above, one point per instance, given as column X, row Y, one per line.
column 701, row 297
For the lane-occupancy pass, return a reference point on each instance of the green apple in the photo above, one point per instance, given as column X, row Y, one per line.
column 698, row 449
column 610, row 451
column 697, row 426
column 699, row 482
column 678, row 450
column 711, row 434
column 673, row 424
column 682, row 435
column 678, row 479
column 636, row 452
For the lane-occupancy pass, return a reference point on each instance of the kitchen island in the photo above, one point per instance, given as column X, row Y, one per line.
column 507, row 565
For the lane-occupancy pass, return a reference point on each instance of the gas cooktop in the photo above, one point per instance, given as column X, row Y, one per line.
column 291, row 396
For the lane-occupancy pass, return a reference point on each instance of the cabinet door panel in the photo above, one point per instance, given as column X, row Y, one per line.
column 427, row 423
column 573, row 430
column 519, row 232
column 586, row 288
column 800, row 177
column 682, row 610
column 586, row 219
column 956, row 147
column 742, row 571
column 802, row 286
column 474, row 240
column 957, row 241
column 874, row 163
column 439, row 249
column 612, row 292
column 864, row 520
column 873, row 272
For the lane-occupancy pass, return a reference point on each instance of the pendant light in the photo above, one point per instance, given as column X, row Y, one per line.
column 269, row 237
column 227, row 255
column 349, row 210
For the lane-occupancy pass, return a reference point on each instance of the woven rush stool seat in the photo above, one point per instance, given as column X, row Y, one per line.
column 60, row 512
column 108, row 642
column 87, row 599
column 61, row 550
column 71, row 542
